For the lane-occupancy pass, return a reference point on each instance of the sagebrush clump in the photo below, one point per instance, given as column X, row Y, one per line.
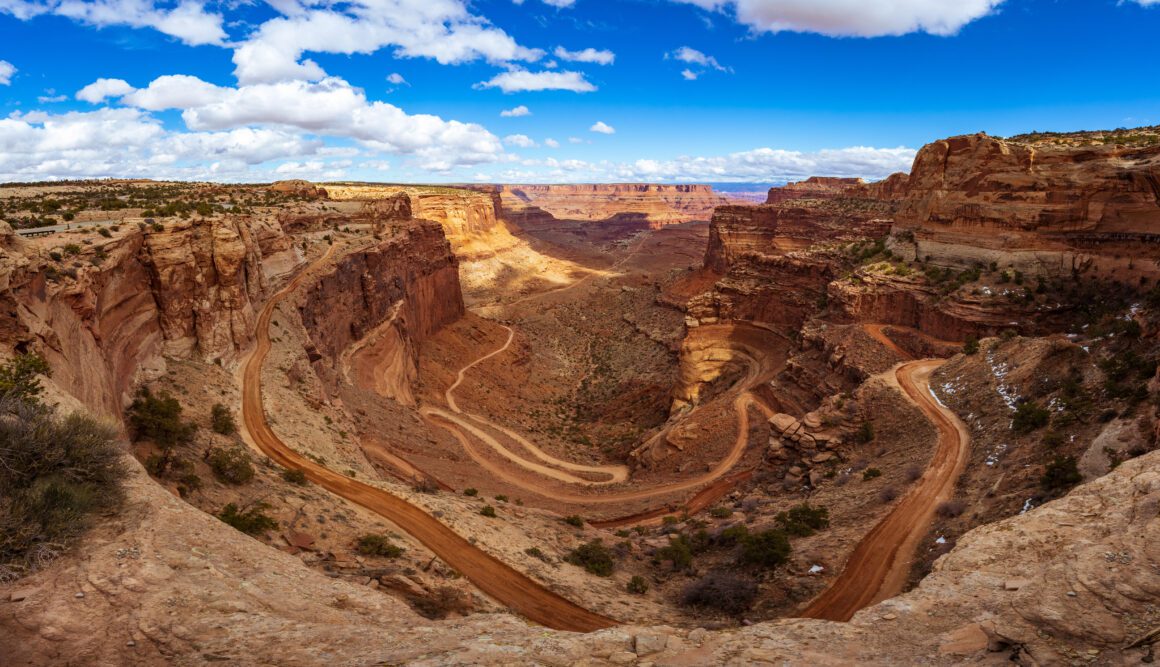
column 56, row 473
column 594, row 557
column 723, row 591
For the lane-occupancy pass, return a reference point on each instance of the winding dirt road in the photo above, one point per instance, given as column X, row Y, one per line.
column 502, row 582
column 879, row 565
column 615, row 473
column 756, row 371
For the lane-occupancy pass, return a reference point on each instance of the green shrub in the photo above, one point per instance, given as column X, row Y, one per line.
column 471, row 492
column 56, row 473
column 971, row 346
column 535, row 552
column 720, row 512
column 870, row 473
column 594, row 557
column 252, row 521
column 104, row 232
column 729, row 593
column 294, row 476
column 865, row 433
column 1052, row 439
column 222, row 421
column 231, row 466
column 678, row 550
column 1061, row 474
column 501, row 498
column 574, row 520
column 804, row 520
column 1029, row 416
column 637, row 585
column 769, row 548
column 378, row 545
column 18, row 377
column 488, row 511
column 158, row 418
column 734, row 535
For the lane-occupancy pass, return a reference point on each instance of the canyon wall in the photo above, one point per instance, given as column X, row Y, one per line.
column 111, row 312
column 737, row 231
column 764, row 254
column 915, row 304
column 416, row 267
column 1040, row 208
column 470, row 217
column 814, row 187
column 651, row 205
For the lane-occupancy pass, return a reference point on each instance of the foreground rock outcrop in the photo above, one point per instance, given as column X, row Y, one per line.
column 167, row 584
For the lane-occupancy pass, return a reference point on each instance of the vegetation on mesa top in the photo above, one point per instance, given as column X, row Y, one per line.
column 148, row 200
column 1148, row 135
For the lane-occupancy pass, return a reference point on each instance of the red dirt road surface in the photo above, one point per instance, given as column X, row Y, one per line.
column 879, row 565
column 502, row 582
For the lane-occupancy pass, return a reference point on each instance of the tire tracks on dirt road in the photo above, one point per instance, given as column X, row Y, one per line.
column 491, row 575
column 880, row 563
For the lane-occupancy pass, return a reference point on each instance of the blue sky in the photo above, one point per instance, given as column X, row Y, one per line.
column 684, row 90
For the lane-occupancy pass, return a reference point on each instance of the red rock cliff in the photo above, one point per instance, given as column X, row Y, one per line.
column 814, row 187
column 1042, row 208
column 651, row 204
column 114, row 310
column 411, row 279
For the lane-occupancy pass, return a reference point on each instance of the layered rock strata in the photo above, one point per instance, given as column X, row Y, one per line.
column 651, row 205
column 1040, row 208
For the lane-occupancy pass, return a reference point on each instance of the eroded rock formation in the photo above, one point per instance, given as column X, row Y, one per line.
column 814, row 187
column 402, row 289
column 1040, row 208
column 651, row 205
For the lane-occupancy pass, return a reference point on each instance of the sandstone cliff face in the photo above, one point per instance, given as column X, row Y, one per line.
column 206, row 278
column 760, row 252
column 738, row 231
column 814, row 187
column 113, row 311
column 403, row 290
column 467, row 215
column 892, row 188
column 1043, row 209
column 651, row 205
column 914, row 304
column 97, row 331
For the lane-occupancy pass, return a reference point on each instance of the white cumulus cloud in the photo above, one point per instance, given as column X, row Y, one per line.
column 331, row 107
column 397, row 79
column 518, row 80
column 188, row 20
column 854, row 18
column 516, row 112
column 551, row 143
column 102, row 89
column 443, row 30
column 602, row 128
column 521, row 140
column 589, row 55
column 7, row 69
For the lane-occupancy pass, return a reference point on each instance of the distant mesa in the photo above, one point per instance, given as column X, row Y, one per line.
column 300, row 188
